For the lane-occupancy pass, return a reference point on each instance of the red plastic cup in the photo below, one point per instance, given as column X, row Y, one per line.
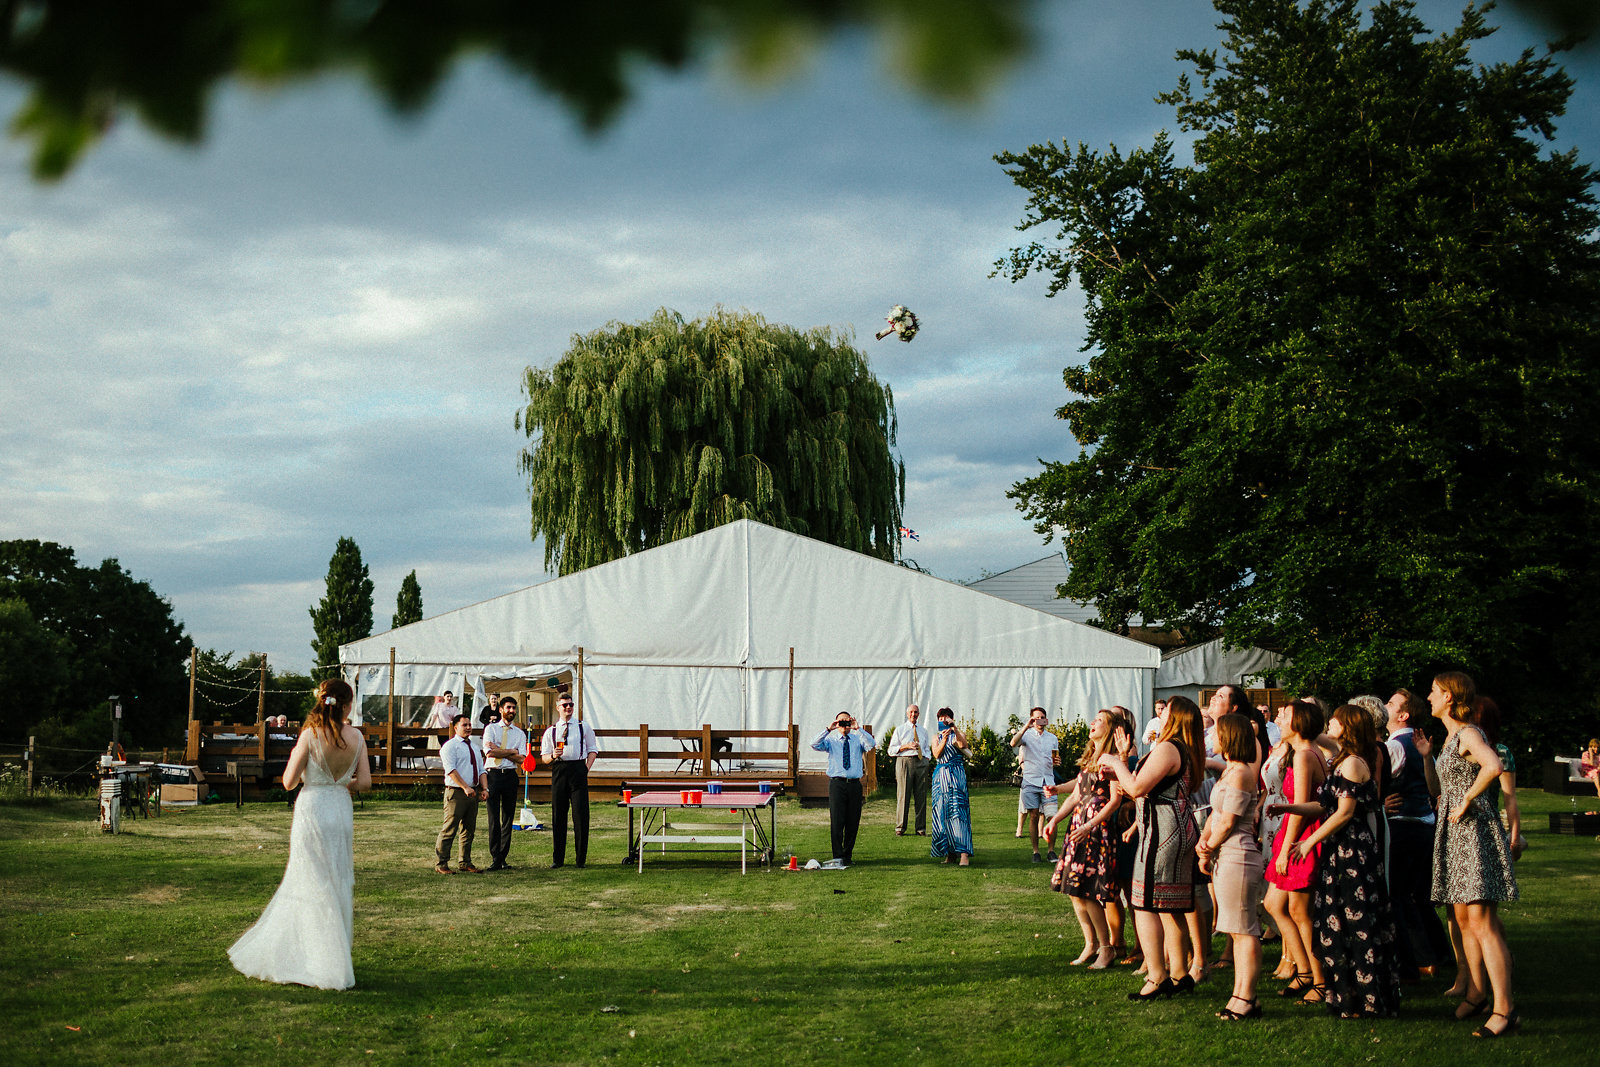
column 794, row 863
column 627, row 796
column 683, row 796
column 695, row 795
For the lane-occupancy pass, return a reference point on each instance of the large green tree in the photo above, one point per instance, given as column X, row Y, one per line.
column 345, row 611
column 1341, row 395
column 109, row 634
column 408, row 602
column 644, row 433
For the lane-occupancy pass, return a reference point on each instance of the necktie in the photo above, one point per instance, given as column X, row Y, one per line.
column 472, row 758
column 846, row 739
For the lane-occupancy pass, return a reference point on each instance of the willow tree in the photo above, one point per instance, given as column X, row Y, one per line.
column 644, row 433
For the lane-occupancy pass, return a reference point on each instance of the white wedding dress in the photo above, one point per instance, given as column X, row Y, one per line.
column 304, row 935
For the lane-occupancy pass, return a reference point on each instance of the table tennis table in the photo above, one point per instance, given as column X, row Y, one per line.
column 654, row 825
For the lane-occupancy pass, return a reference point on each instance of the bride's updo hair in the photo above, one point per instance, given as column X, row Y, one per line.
column 333, row 700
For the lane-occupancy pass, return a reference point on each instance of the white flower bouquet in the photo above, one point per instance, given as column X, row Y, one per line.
column 901, row 321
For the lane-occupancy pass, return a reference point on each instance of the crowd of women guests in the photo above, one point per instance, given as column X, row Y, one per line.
column 1344, row 830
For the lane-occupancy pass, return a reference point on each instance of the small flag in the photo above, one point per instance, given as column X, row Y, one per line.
column 906, row 531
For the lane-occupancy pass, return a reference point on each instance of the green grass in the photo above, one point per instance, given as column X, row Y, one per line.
column 895, row 960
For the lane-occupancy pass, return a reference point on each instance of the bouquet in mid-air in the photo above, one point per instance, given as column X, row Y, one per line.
column 901, row 321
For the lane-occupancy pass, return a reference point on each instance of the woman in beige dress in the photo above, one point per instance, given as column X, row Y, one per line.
column 1230, row 853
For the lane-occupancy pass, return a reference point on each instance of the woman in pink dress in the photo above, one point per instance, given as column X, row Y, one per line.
column 1289, row 876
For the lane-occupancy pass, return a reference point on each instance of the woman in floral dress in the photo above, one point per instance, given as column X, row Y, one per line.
column 1087, row 871
column 1354, row 939
column 1471, row 858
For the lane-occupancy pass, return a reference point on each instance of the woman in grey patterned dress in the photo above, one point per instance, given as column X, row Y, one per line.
column 1471, row 858
column 1163, row 880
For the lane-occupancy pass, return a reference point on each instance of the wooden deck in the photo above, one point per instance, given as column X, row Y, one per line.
column 404, row 757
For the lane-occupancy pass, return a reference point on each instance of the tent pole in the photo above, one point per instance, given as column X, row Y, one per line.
column 579, row 701
column 191, row 745
column 794, row 757
column 388, row 743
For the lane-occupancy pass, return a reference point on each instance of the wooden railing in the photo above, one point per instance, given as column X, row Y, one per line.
column 403, row 755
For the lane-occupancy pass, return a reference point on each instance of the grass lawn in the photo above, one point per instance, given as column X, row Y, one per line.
column 114, row 949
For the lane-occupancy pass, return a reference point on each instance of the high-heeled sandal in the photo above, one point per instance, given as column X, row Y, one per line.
column 1471, row 1009
column 1252, row 1012
column 1321, row 992
column 1298, row 984
column 1165, row 989
column 1513, row 1024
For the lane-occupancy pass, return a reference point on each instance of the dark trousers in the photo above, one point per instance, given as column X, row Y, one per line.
column 1420, row 935
column 844, row 815
column 569, row 790
column 502, row 803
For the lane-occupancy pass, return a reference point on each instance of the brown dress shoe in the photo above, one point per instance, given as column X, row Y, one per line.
column 441, row 868
column 467, row 868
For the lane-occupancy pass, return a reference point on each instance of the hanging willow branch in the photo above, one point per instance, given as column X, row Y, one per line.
column 644, row 433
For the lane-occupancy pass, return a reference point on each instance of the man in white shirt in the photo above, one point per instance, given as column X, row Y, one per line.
column 570, row 748
column 1036, row 751
column 463, row 788
column 909, row 747
column 503, row 746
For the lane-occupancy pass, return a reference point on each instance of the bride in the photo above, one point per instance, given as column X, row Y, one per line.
column 304, row 935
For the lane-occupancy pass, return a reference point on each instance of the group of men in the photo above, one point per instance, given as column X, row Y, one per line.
column 847, row 748
column 473, row 775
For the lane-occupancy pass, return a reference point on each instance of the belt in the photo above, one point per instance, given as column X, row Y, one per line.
column 502, row 770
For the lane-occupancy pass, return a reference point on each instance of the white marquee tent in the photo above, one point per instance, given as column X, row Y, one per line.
column 700, row 630
column 1186, row 671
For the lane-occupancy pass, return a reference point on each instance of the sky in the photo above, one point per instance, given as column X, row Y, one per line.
column 216, row 360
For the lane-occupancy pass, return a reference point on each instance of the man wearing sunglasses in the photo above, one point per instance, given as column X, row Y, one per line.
column 847, row 749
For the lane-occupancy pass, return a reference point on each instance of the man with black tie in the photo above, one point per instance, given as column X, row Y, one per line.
column 503, row 747
column 570, row 750
column 847, row 750
column 463, row 789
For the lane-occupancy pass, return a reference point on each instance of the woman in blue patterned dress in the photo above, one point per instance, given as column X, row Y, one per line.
column 952, row 818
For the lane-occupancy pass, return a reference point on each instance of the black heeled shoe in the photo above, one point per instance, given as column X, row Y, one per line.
column 1297, row 985
column 1513, row 1024
column 1252, row 1012
column 1472, row 1009
column 1165, row 989
column 1185, row 985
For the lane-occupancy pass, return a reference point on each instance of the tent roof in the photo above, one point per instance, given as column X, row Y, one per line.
column 1209, row 663
column 1034, row 585
column 744, row 594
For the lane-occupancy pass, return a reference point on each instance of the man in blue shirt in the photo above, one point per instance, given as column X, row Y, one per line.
column 847, row 750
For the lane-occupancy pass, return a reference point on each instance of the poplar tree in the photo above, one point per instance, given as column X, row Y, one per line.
column 345, row 612
column 408, row 604
column 644, row 433
column 1340, row 397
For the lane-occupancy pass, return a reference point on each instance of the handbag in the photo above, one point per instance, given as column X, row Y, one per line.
column 1016, row 777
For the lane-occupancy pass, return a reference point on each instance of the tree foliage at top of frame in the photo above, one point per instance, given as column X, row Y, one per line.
column 89, row 61
column 645, row 433
column 1341, row 394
